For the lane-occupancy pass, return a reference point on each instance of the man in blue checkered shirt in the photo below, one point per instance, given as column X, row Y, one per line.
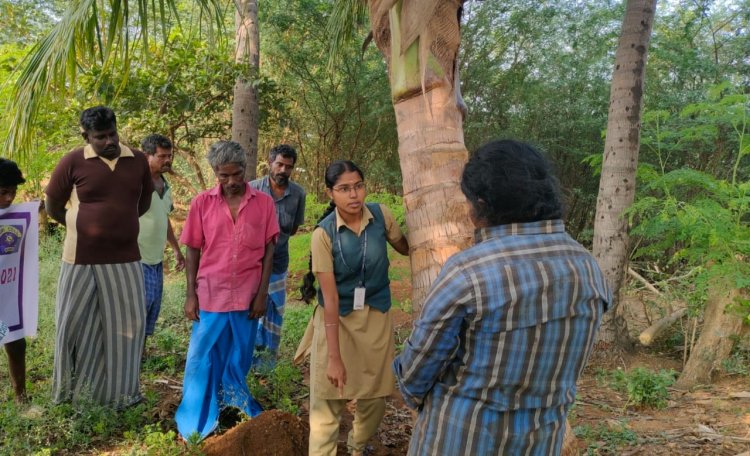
column 492, row 362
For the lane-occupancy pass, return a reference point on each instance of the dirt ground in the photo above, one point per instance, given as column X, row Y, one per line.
column 270, row 433
column 712, row 420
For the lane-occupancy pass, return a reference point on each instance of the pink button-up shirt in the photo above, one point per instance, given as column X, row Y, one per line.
column 231, row 252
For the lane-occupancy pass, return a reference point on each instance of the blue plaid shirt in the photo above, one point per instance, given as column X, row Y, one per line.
column 504, row 334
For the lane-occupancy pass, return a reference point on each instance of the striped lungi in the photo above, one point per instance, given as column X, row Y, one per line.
column 100, row 319
column 269, row 326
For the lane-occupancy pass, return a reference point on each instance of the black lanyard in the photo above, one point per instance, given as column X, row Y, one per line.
column 362, row 246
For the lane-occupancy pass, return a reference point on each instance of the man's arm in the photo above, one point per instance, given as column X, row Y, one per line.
column 258, row 308
column 175, row 247
column 147, row 188
column 59, row 188
column 191, row 273
column 55, row 209
column 299, row 218
column 435, row 339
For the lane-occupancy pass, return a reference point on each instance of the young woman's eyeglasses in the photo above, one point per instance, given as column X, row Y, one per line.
column 345, row 189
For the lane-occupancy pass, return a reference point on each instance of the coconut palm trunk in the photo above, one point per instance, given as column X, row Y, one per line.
column 617, row 182
column 245, row 113
column 421, row 48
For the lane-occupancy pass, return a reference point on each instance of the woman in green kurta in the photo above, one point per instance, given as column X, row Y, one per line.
column 350, row 336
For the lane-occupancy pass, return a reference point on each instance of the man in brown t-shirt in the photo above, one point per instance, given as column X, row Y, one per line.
column 100, row 297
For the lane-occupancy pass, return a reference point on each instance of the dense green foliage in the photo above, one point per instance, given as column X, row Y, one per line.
column 536, row 72
column 700, row 220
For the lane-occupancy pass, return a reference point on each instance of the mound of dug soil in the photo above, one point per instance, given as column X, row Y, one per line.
column 272, row 433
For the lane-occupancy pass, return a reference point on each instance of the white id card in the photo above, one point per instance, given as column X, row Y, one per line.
column 359, row 298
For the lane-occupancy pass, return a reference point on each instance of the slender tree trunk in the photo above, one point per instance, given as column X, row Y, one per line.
column 720, row 331
column 245, row 113
column 617, row 182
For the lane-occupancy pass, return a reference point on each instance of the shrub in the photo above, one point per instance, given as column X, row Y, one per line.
column 645, row 388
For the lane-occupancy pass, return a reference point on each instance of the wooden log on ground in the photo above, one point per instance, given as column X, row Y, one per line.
column 650, row 334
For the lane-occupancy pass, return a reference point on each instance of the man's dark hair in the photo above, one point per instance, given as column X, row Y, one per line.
column 151, row 142
column 285, row 150
column 98, row 118
column 10, row 174
column 511, row 182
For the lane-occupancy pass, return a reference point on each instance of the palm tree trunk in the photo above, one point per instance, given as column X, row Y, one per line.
column 429, row 120
column 245, row 113
column 617, row 182
column 432, row 155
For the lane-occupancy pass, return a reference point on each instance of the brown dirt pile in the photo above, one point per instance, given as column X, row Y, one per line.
column 272, row 433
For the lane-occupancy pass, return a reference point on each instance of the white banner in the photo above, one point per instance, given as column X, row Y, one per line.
column 19, row 270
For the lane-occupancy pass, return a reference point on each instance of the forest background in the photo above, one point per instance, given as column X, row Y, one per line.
column 537, row 72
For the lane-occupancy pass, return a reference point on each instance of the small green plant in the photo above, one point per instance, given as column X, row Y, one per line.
column 644, row 387
column 160, row 443
column 605, row 438
column 156, row 442
column 405, row 305
column 277, row 387
column 737, row 364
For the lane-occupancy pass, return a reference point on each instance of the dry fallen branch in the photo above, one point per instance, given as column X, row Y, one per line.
column 707, row 433
column 650, row 334
column 645, row 282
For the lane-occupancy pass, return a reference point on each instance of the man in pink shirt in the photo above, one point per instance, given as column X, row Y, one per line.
column 230, row 234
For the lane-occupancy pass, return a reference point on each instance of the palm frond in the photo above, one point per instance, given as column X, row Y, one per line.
column 87, row 35
column 346, row 17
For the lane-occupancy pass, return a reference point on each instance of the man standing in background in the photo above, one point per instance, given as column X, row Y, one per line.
column 100, row 309
column 289, row 199
column 155, row 227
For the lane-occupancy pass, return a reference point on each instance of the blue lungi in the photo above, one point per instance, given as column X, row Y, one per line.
column 218, row 360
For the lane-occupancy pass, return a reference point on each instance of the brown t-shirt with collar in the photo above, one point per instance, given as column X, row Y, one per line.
column 105, row 198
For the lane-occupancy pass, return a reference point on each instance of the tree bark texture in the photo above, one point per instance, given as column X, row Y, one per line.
column 432, row 154
column 721, row 329
column 617, row 182
column 245, row 112
column 421, row 48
